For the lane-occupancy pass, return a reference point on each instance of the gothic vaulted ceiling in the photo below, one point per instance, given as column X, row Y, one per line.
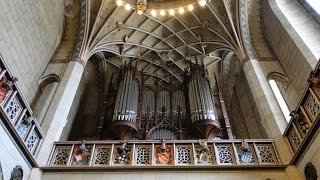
column 163, row 46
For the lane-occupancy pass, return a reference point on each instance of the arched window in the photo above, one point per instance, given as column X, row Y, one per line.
column 315, row 4
column 282, row 103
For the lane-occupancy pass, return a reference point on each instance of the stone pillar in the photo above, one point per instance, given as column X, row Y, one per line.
column 56, row 117
column 294, row 173
column 271, row 116
column 44, row 100
column 36, row 174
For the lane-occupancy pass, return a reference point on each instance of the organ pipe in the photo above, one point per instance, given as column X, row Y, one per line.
column 163, row 102
column 148, row 104
column 178, row 104
column 201, row 104
column 127, row 98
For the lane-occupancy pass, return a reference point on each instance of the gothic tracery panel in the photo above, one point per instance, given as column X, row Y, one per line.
column 313, row 107
column 142, row 155
column 32, row 141
column 13, row 109
column 102, row 155
column 184, row 155
column 294, row 139
column 266, row 153
column 225, row 154
column 61, row 156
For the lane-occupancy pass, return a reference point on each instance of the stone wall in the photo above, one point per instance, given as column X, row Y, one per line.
column 171, row 175
column 30, row 31
column 312, row 155
column 245, row 117
column 304, row 25
column 84, row 117
column 293, row 54
column 11, row 156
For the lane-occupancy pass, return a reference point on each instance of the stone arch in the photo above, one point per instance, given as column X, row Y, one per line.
column 47, row 79
column 47, row 85
column 280, row 78
column 165, row 132
column 278, row 91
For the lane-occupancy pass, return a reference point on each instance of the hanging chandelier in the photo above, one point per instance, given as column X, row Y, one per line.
column 141, row 6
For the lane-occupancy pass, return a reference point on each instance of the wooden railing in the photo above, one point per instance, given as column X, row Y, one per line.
column 158, row 154
column 305, row 119
column 16, row 113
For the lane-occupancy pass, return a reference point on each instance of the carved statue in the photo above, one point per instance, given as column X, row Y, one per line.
column 203, row 152
column 245, row 154
column 17, row 173
column 204, row 146
column 122, row 154
column 163, row 148
column 310, row 172
column 300, row 121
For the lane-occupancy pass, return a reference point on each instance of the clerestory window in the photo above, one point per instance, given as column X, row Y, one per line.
column 315, row 4
column 282, row 103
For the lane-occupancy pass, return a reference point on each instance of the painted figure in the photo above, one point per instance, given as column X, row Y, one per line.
column 81, row 155
column 163, row 154
column 5, row 86
column 22, row 128
column 122, row 156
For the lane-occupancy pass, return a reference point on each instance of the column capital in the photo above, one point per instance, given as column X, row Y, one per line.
column 80, row 61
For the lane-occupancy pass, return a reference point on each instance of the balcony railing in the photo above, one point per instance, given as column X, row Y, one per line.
column 305, row 119
column 156, row 154
column 16, row 113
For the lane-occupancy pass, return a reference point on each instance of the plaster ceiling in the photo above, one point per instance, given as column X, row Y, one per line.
column 163, row 46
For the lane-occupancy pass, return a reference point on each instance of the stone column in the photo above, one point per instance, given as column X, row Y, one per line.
column 271, row 116
column 44, row 100
column 56, row 117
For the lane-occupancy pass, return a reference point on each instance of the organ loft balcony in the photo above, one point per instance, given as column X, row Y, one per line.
column 162, row 125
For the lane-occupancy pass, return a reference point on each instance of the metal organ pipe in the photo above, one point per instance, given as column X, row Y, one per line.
column 201, row 104
column 148, row 104
column 178, row 101
column 164, row 101
column 127, row 98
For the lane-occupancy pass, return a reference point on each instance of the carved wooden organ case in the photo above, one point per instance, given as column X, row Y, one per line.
column 161, row 110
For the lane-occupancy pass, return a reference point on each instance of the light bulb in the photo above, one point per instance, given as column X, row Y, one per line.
column 202, row 2
column 171, row 12
column 162, row 12
column 153, row 13
column 190, row 7
column 127, row 7
column 181, row 10
column 119, row 2
column 140, row 12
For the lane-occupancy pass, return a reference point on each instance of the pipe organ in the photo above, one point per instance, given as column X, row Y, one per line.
column 162, row 110
column 163, row 106
column 148, row 106
column 178, row 105
column 202, row 111
column 126, row 104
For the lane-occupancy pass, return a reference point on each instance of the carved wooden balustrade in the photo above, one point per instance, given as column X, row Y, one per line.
column 304, row 123
column 156, row 154
column 16, row 113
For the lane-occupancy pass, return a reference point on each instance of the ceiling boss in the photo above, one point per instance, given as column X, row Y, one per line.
column 161, row 7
